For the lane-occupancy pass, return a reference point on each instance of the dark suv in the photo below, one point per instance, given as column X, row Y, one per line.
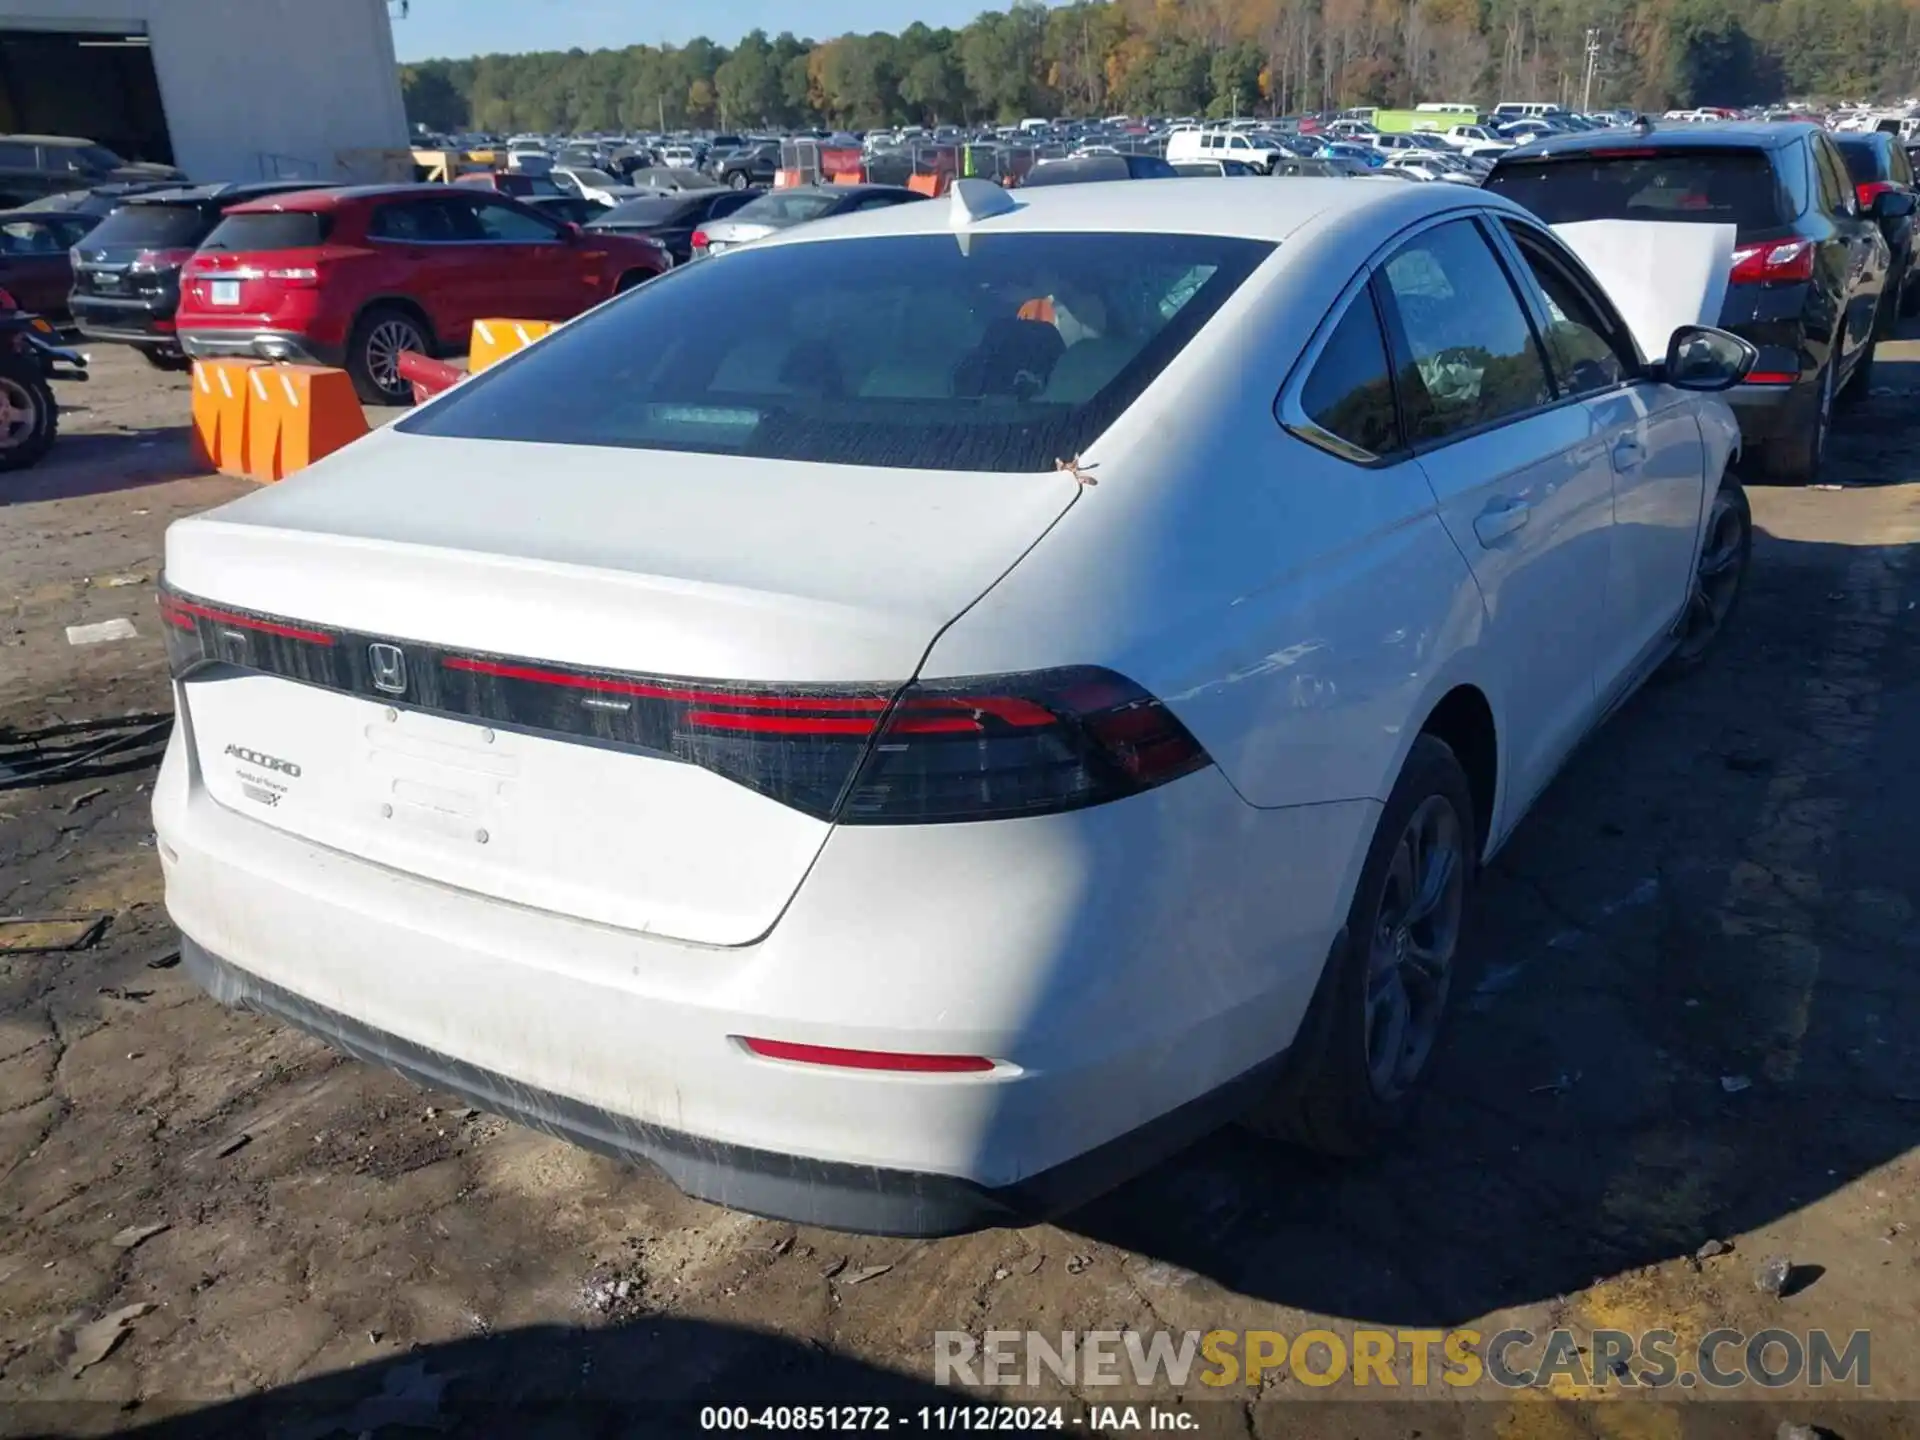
column 755, row 165
column 36, row 165
column 1875, row 163
column 126, row 273
column 1809, row 261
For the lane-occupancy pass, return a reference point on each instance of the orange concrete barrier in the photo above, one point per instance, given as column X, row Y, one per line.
column 299, row 414
column 220, row 397
column 495, row 340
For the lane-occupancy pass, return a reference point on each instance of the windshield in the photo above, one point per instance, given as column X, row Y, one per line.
column 1709, row 187
column 898, row 351
column 161, row 227
column 786, row 207
column 270, row 230
column 98, row 157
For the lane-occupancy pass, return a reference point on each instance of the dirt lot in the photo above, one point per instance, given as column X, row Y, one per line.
column 1694, row 1020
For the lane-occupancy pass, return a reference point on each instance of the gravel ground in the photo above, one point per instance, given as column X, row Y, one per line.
column 1693, row 1020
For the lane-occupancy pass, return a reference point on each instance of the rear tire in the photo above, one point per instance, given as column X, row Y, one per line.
column 373, row 351
column 1719, row 579
column 738, row 180
column 1364, row 1048
column 1796, row 459
column 167, row 360
column 30, row 419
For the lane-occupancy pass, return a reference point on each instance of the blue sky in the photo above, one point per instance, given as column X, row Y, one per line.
column 454, row 28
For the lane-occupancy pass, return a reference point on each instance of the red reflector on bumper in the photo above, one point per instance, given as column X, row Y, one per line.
column 1771, row 377
column 865, row 1059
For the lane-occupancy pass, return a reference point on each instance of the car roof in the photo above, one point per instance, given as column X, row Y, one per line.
column 75, row 141
column 1692, row 135
column 343, row 195
column 45, row 217
column 1199, row 205
column 226, row 192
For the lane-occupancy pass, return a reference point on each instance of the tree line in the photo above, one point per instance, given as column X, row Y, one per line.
column 1197, row 57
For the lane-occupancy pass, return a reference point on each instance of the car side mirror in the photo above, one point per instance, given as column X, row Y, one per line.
column 1893, row 204
column 1704, row 357
column 572, row 231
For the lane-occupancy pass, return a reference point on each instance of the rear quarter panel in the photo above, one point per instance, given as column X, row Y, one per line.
column 1299, row 613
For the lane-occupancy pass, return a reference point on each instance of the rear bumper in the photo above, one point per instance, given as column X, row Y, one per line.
column 259, row 344
column 128, row 321
column 1768, row 412
column 800, row 1188
column 1133, row 969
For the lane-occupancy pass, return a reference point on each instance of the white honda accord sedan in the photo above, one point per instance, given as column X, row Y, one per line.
column 912, row 722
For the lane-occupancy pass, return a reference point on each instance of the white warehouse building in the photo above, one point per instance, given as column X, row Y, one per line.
column 224, row 89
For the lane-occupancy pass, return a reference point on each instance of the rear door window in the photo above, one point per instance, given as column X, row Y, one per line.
column 904, row 351
column 434, row 221
column 509, row 224
column 1463, row 346
column 270, row 230
column 1712, row 187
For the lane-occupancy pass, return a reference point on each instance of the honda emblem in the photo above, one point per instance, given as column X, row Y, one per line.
column 389, row 664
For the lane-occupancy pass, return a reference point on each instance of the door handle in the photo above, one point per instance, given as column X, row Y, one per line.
column 1496, row 524
column 1628, row 453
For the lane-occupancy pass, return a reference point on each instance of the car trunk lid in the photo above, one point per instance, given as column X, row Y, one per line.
column 548, row 606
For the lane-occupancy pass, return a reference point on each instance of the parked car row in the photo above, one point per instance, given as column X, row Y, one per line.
column 1822, row 258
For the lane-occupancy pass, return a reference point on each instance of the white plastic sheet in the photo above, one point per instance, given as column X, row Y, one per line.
column 1660, row 275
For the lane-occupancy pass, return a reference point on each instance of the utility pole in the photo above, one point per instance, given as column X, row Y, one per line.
column 1593, row 56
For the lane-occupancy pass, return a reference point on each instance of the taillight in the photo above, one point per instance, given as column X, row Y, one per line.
column 7, row 302
column 151, row 260
column 298, row 276
column 985, row 748
column 1866, row 190
column 1773, row 262
column 1006, row 745
column 699, row 239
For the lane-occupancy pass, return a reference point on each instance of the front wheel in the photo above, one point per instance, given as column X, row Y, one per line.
column 29, row 415
column 1362, row 1052
column 1719, row 577
column 738, row 180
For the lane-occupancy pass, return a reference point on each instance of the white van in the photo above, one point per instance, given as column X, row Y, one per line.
column 1221, row 143
column 1446, row 107
column 1523, row 110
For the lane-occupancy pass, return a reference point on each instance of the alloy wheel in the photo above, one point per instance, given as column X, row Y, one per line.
column 19, row 414
column 1716, row 579
column 384, row 345
column 1415, row 933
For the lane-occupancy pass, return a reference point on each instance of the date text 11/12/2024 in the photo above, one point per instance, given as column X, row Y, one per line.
column 936, row 1419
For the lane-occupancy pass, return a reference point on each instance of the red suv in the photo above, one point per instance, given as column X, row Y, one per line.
column 353, row 276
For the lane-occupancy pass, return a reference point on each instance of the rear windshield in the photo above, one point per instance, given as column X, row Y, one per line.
column 1863, row 160
column 1714, row 187
column 786, row 207
column 906, row 352
column 270, row 230
column 156, row 226
column 650, row 211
